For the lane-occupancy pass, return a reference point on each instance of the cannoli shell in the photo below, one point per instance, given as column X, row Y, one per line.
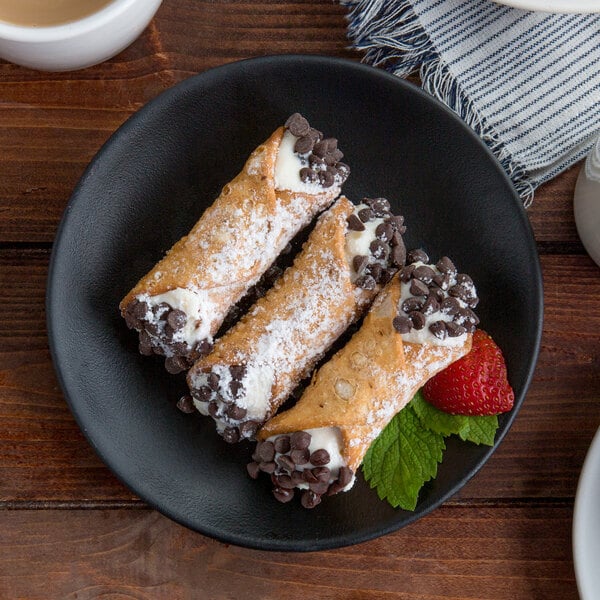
column 367, row 382
column 314, row 302
column 238, row 236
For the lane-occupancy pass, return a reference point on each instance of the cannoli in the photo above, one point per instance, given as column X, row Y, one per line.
column 180, row 304
column 420, row 323
column 350, row 254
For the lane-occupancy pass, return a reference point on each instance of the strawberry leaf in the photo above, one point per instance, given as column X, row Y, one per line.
column 404, row 456
column 479, row 430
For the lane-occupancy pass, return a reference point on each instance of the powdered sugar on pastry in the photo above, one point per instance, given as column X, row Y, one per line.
column 282, row 337
column 233, row 244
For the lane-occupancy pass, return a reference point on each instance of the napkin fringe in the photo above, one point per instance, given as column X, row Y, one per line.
column 391, row 36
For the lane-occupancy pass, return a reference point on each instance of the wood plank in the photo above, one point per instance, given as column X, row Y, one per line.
column 485, row 553
column 44, row 456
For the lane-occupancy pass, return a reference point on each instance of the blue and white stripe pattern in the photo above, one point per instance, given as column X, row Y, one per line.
column 527, row 82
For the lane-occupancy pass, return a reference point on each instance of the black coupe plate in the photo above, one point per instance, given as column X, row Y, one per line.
column 150, row 183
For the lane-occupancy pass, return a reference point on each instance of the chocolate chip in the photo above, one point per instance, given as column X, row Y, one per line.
column 285, row 462
column 386, row 275
column 396, row 239
column 315, row 135
column 438, row 328
column 203, row 393
column 322, row 474
column 335, row 488
column 309, row 499
column 248, row 428
column 449, row 306
column 285, row 481
column 308, row 476
column 316, row 162
column 297, row 477
column 308, row 175
column 326, row 178
column 253, row 469
column 442, row 280
column 300, row 456
column 237, row 371
column 418, row 288
column 334, row 157
column 464, row 279
column 299, row 440
column 304, row 144
column 283, row 495
column 378, row 248
column 365, row 214
column 411, row 304
column 399, row 255
column 384, row 232
column 366, row 282
column 231, row 435
column 297, row 125
column 424, row 273
column 397, row 221
column 359, row 262
column 325, row 147
column 265, row 451
column 418, row 319
column 161, row 310
column 458, row 291
column 375, row 270
column 406, row 273
column 282, row 444
column 175, row 364
column 152, row 328
column 354, row 223
column 454, row 329
column 268, row 467
column 431, row 305
column 235, row 412
column 320, row 457
column 236, row 388
column 380, row 206
column 203, row 347
column 213, row 381
column 213, row 409
column 318, row 487
column 445, row 265
column 145, row 345
column 185, row 404
column 177, row 319
column 402, row 324
column 344, row 476
column 417, row 255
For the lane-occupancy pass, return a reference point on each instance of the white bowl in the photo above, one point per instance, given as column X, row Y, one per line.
column 77, row 44
column 555, row 6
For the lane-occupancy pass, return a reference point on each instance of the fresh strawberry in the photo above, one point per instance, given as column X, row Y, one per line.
column 475, row 384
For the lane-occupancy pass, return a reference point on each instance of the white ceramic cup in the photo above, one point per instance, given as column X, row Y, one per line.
column 77, row 44
column 586, row 203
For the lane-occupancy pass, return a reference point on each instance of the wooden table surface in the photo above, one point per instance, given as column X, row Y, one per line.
column 69, row 529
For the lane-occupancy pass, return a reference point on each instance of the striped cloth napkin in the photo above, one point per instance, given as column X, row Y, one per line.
column 527, row 82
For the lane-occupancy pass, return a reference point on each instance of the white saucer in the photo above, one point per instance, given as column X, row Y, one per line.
column 586, row 525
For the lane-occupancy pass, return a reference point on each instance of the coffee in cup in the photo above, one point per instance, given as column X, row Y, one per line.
column 47, row 13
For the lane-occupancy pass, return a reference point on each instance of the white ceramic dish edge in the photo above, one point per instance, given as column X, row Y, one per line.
column 586, row 525
column 555, row 6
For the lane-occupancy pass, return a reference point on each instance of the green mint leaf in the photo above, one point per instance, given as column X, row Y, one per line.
column 403, row 457
column 479, row 430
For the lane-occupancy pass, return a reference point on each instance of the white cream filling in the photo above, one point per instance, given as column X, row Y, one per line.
column 254, row 395
column 425, row 336
column 198, row 308
column 358, row 242
column 327, row 438
column 288, row 165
